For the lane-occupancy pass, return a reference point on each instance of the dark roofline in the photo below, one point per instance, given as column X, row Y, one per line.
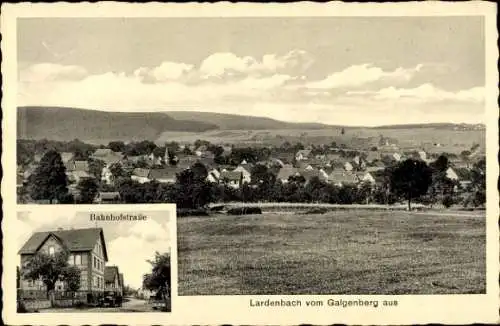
column 104, row 246
column 47, row 237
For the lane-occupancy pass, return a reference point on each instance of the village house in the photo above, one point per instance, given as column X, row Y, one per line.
column 164, row 175
column 201, row 150
column 112, row 281
column 140, row 175
column 341, row 178
column 310, row 174
column 245, row 170
column 348, row 166
column 213, row 176
column 285, row 173
column 107, row 175
column 88, row 252
column 367, row 177
column 144, row 293
column 303, row 154
column 108, row 197
column 233, row 179
column 107, row 156
column 303, row 166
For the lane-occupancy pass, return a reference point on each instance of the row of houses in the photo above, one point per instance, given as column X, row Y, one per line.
column 335, row 167
column 87, row 251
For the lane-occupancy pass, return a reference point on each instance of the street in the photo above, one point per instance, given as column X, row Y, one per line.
column 130, row 304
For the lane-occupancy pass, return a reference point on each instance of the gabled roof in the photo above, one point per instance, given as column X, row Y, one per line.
column 74, row 240
column 110, row 195
column 309, row 174
column 304, row 152
column 110, row 274
column 66, row 156
column 202, row 148
column 231, row 175
column 140, row 172
column 286, row 173
column 165, row 173
column 81, row 166
column 374, row 168
column 79, row 174
column 342, row 177
column 247, row 167
column 463, row 174
column 103, row 152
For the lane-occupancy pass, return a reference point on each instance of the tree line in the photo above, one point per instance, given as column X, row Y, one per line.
column 410, row 180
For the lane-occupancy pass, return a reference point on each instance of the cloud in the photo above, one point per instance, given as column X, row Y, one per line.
column 166, row 71
column 131, row 249
column 277, row 86
column 46, row 72
column 226, row 64
column 425, row 92
column 359, row 75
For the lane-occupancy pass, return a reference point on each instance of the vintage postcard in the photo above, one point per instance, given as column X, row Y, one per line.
column 319, row 163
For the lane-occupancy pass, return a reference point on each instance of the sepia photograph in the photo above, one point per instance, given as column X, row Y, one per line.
column 93, row 262
column 304, row 157
column 300, row 163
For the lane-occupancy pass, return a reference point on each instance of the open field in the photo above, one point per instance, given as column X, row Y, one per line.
column 342, row 252
column 453, row 141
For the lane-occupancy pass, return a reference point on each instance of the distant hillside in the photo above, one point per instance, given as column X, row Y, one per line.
column 242, row 122
column 443, row 125
column 60, row 123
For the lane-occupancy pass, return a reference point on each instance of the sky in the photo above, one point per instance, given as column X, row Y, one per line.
column 130, row 244
column 337, row 70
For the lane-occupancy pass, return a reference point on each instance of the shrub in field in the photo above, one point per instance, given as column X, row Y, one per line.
column 182, row 212
column 244, row 211
column 317, row 210
column 448, row 201
column 217, row 208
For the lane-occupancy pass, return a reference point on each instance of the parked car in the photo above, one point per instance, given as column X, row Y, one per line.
column 158, row 304
column 111, row 299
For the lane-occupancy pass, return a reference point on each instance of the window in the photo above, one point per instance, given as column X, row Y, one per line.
column 94, row 281
column 83, row 282
column 52, row 250
column 71, row 259
column 78, row 259
column 31, row 283
column 95, row 262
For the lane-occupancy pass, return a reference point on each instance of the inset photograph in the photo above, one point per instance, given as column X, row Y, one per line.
column 94, row 261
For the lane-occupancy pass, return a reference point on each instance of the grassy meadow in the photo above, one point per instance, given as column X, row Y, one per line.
column 341, row 252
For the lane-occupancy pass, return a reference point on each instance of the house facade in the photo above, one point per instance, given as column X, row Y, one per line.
column 113, row 280
column 87, row 252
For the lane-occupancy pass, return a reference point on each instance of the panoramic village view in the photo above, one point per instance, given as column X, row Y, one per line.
column 348, row 161
column 86, row 268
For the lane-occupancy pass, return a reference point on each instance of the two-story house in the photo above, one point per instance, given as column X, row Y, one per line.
column 87, row 251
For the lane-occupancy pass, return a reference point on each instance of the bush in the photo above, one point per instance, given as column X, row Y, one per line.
column 448, row 201
column 317, row 210
column 183, row 212
column 244, row 211
column 21, row 308
column 217, row 208
column 479, row 198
